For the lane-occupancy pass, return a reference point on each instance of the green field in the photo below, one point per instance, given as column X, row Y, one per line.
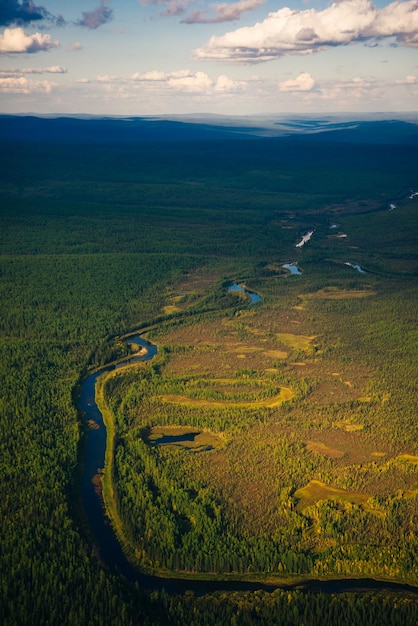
column 303, row 406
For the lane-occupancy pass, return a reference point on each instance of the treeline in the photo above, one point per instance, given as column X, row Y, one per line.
column 291, row 609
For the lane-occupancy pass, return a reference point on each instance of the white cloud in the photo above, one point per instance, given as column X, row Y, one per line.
column 24, row 86
column 190, row 82
column 194, row 83
column 227, row 85
column 218, row 13
column 106, row 79
column 353, row 89
column 182, row 80
column 54, row 69
column 15, row 40
column 408, row 80
column 304, row 82
column 154, row 75
column 75, row 46
column 288, row 31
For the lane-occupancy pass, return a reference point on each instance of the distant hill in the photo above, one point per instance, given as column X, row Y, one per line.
column 97, row 130
column 110, row 130
column 375, row 132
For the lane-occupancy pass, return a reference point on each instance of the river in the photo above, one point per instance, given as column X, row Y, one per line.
column 254, row 297
column 106, row 543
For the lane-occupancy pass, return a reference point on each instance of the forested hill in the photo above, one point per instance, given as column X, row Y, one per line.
column 110, row 130
column 84, row 129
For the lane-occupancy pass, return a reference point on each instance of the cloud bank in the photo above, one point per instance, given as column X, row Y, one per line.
column 15, row 41
column 289, row 32
column 304, row 82
column 24, row 86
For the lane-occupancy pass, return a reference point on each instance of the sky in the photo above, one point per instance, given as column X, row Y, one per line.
column 175, row 57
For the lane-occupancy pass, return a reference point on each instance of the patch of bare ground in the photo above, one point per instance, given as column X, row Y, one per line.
column 351, row 447
column 286, row 320
column 248, row 488
column 321, row 448
column 97, row 481
column 191, row 288
column 359, row 206
column 388, row 478
column 316, row 490
column 335, row 293
column 333, row 392
column 222, row 347
column 223, row 361
column 201, row 280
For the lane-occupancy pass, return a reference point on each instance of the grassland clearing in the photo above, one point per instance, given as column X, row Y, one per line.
column 316, row 490
column 336, row 293
column 321, row 448
column 284, row 395
column 169, row 309
column 349, row 427
column 296, row 342
column 408, row 458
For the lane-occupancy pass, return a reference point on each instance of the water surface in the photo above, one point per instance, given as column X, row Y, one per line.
column 254, row 297
column 293, row 268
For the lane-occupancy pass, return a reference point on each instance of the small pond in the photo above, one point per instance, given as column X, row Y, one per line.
column 293, row 268
column 173, row 439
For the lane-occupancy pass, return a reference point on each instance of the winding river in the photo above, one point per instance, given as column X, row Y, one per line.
column 252, row 295
column 105, row 540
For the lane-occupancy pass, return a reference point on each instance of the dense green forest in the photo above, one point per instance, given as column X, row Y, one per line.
column 303, row 406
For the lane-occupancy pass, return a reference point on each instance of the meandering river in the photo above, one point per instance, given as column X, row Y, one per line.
column 254, row 297
column 105, row 539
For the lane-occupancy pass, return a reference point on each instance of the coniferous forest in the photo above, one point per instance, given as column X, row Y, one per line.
column 271, row 444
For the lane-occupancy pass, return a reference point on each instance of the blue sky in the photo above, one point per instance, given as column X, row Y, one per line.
column 243, row 57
